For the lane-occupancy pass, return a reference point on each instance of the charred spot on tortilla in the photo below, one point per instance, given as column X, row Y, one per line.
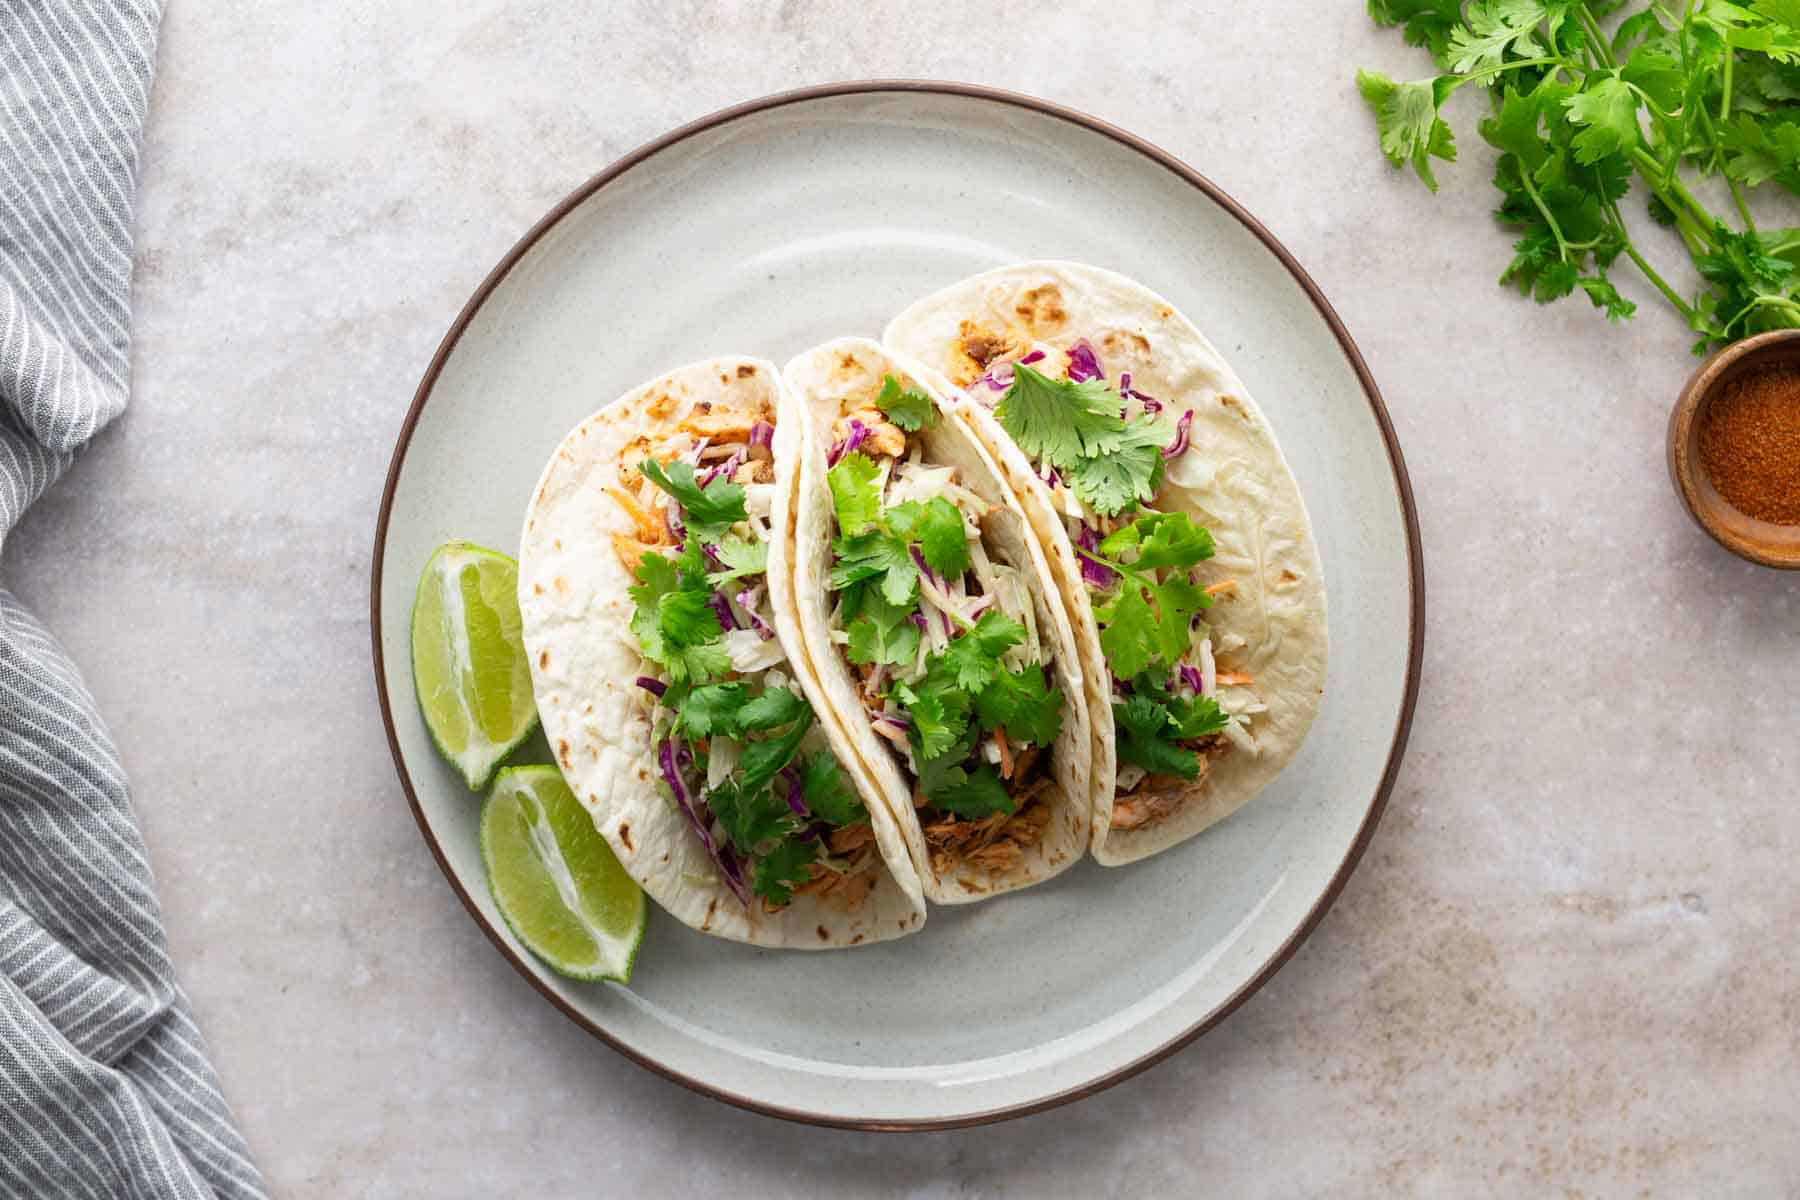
column 562, row 753
column 1116, row 341
column 1288, row 576
column 746, row 371
column 1041, row 308
column 544, row 660
column 625, row 836
column 858, row 938
column 824, row 934
column 537, row 589
column 643, row 775
column 663, row 405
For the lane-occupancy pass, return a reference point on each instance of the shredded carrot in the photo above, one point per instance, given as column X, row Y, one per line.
column 1230, row 677
column 1221, row 587
column 1006, row 761
column 649, row 529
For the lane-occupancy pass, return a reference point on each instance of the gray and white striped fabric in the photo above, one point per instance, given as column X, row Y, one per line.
column 105, row 1087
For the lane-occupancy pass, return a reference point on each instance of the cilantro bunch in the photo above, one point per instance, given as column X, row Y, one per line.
column 1679, row 91
column 770, row 806
column 1153, row 721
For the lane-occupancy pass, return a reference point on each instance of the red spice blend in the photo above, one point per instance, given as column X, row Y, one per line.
column 1750, row 444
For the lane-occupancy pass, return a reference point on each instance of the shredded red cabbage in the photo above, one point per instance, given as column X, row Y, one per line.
column 747, row 600
column 1190, row 676
column 1084, row 364
column 1034, row 356
column 655, row 687
column 1127, row 392
column 712, row 557
column 918, row 619
column 848, row 446
column 727, row 468
column 796, row 798
column 1094, row 572
column 762, row 434
column 1179, row 446
column 672, row 763
column 722, row 606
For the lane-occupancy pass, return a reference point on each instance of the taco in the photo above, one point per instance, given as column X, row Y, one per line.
column 1172, row 526
column 652, row 578
column 950, row 672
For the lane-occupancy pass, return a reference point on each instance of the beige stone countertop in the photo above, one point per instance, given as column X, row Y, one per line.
column 1564, row 966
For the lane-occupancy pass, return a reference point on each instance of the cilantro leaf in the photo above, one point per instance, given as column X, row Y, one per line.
column 939, row 717
column 910, row 410
column 1171, row 539
column 855, row 493
column 1021, row 703
column 873, row 554
column 1407, row 116
column 750, row 815
column 828, row 793
column 710, row 709
column 937, row 526
column 1428, row 22
column 1197, row 717
column 872, row 642
column 1059, row 422
column 708, row 511
column 1110, row 483
column 1609, row 112
column 783, row 869
column 951, row 788
column 1762, row 151
column 1178, row 601
column 741, row 557
column 1127, row 632
column 1493, row 28
column 1146, row 739
column 673, row 624
column 973, row 659
column 761, row 761
column 773, row 708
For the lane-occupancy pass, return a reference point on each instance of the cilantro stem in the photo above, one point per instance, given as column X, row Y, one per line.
column 1562, row 244
column 1666, row 183
column 1725, row 86
column 1656, row 280
column 1596, row 39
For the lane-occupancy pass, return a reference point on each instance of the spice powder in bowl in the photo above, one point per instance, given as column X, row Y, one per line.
column 1750, row 444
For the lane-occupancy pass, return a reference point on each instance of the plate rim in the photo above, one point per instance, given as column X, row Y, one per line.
column 1396, row 461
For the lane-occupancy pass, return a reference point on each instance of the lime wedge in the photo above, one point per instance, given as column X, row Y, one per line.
column 469, row 664
column 556, row 880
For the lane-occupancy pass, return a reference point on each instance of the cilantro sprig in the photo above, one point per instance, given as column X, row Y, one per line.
column 908, row 408
column 964, row 692
column 1109, row 462
column 1146, row 620
column 1677, row 92
column 1151, row 724
column 709, row 511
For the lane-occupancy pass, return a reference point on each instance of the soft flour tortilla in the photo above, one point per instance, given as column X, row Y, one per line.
column 584, row 660
column 817, row 382
column 1233, row 480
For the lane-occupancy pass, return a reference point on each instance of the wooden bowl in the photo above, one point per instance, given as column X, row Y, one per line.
column 1759, row 541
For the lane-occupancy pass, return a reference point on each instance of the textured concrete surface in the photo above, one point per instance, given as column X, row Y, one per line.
column 1563, row 968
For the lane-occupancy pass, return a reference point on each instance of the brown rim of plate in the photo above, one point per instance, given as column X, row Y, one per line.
column 1403, row 486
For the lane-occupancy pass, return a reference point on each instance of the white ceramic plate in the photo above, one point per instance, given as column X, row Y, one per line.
column 771, row 227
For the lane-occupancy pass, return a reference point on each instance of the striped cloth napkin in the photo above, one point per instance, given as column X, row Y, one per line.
column 105, row 1088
